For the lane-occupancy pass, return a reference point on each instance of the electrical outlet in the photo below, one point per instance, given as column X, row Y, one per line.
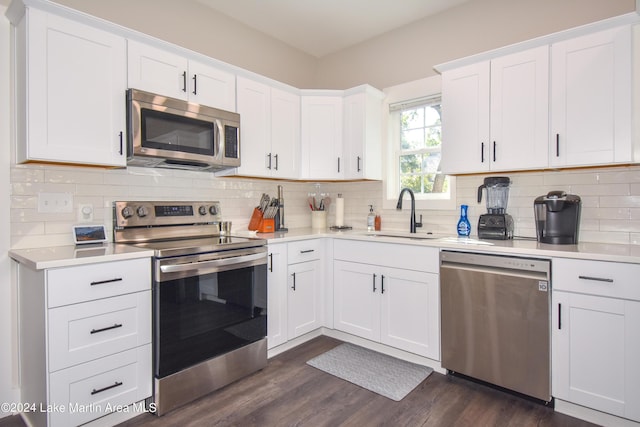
column 55, row 202
column 85, row 213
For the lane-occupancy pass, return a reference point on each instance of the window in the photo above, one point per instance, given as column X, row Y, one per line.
column 420, row 149
column 414, row 146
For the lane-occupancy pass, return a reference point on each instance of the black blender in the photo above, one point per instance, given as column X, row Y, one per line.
column 496, row 224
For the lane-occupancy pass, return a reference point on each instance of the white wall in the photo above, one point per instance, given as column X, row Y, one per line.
column 8, row 379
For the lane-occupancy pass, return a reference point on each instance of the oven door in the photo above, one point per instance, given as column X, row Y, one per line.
column 207, row 305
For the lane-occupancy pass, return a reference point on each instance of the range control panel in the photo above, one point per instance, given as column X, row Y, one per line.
column 153, row 213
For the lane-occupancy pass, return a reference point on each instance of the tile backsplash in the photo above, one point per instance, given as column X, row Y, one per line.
column 610, row 200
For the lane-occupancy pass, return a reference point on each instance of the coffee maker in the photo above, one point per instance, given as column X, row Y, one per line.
column 557, row 218
column 496, row 223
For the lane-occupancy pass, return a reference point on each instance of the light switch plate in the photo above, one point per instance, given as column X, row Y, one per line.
column 55, row 202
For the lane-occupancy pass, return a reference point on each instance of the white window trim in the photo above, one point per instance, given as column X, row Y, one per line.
column 423, row 88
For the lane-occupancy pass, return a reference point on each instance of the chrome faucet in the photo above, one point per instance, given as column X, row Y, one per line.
column 412, row 224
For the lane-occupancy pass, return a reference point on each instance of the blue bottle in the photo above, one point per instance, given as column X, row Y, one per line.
column 464, row 226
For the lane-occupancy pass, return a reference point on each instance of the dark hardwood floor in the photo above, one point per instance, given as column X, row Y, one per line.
column 288, row 392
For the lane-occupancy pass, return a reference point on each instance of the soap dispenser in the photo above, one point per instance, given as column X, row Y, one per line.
column 371, row 219
column 464, row 226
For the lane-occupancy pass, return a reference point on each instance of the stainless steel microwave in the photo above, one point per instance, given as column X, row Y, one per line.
column 172, row 133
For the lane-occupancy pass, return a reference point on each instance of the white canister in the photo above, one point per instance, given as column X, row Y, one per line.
column 319, row 220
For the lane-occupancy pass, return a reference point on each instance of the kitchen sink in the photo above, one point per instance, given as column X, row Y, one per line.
column 424, row 236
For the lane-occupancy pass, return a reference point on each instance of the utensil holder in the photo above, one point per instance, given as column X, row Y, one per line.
column 319, row 220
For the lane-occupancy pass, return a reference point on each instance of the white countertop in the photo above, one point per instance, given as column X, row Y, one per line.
column 66, row 256
column 531, row 248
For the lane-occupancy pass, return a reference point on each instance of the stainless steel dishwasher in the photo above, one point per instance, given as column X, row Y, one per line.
column 495, row 320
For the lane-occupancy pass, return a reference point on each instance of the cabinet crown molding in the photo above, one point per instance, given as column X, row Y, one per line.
column 605, row 24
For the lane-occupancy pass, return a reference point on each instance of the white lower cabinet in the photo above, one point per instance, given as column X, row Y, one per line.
column 295, row 290
column 596, row 335
column 85, row 340
column 398, row 307
column 277, row 295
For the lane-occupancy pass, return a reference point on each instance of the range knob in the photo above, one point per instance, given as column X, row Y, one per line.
column 142, row 211
column 213, row 210
column 126, row 212
column 202, row 210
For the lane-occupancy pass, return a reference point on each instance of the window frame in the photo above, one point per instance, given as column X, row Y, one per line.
column 429, row 87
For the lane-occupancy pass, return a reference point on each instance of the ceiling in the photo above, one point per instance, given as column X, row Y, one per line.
column 322, row 27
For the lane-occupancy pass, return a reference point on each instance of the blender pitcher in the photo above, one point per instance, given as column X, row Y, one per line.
column 497, row 194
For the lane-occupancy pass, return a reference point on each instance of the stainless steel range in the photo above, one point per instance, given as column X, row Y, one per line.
column 209, row 297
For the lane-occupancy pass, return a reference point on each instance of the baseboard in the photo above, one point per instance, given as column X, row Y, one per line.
column 592, row 415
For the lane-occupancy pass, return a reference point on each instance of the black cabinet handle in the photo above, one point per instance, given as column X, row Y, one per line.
column 557, row 145
column 482, row 152
column 382, row 283
column 596, row 279
column 195, row 84
column 109, row 387
column 276, row 157
column 184, row 81
column 271, row 262
column 494, row 151
column 294, row 281
column 358, row 164
column 108, row 328
column 269, row 156
column 307, row 251
column 121, row 142
column 102, row 282
column 559, row 316
column 338, row 164
column 374, row 283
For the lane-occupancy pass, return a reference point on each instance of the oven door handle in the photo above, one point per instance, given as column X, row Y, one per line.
column 213, row 264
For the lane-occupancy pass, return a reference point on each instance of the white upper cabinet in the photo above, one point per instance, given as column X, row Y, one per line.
column 322, row 137
column 495, row 114
column 591, row 96
column 270, row 130
column 70, row 86
column 465, row 119
column 362, row 134
column 166, row 73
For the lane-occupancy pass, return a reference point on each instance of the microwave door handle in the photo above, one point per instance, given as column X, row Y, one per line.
column 218, row 140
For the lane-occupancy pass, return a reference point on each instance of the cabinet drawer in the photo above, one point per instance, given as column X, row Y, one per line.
column 610, row 279
column 79, row 333
column 88, row 391
column 71, row 285
column 306, row 250
column 407, row 257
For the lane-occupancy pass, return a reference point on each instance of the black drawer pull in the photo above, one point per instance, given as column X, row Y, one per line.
column 102, row 282
column 108, row 328
column 116, row 384
column 308, row 251
column 597, row 279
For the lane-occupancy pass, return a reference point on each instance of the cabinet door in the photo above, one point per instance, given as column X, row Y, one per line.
column 254, row 107
column 596, row 348
column 356, row 299
column 410, row 312
column 322, row 137
column 76, row 81
column 277, row 296
column 211, row 86
column 362, row 136
column 304, row 299
column 520, row 110
column 157, row 70
column 465, row 119
column 285, row 134
column 591, row 99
